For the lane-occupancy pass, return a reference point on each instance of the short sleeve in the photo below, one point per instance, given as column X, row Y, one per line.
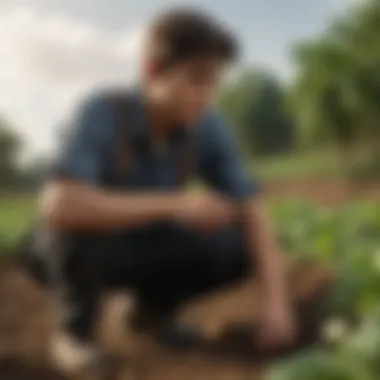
column 82, row 154
column 222, row 165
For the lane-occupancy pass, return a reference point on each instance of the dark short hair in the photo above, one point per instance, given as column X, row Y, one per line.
column 181, row 34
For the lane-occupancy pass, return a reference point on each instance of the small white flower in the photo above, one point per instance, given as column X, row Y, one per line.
column 334, row 330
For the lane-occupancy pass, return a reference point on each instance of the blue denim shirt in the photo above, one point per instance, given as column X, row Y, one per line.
column 88, row 151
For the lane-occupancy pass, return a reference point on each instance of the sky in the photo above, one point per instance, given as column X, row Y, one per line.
column 54, row 51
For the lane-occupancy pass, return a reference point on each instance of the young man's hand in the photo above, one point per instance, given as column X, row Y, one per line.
column 278, row 325
column 206, row 212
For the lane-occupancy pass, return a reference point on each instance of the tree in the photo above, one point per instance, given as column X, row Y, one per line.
column 336, row 93
column 254, row 104
column 322, row 94
column 9, row 145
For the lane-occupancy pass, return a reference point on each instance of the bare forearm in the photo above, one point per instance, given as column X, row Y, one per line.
column 265, row 253
column 72, row 206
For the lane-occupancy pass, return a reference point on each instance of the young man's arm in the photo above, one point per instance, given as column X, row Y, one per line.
column 278, row 322
column 227, row 173
column 74, row 205
column 72, row 197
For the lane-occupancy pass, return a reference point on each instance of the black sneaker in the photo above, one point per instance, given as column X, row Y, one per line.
column 165, row 329
column 106, row 366
column 180, row 336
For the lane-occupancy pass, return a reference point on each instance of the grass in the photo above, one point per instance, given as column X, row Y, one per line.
column 15, row 216
column 320, row 164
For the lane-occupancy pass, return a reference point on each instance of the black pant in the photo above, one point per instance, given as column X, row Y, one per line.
column 164, row 264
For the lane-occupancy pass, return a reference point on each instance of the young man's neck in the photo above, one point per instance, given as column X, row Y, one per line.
column 162, row 118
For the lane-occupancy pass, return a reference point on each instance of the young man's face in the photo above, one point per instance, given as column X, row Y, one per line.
column 188, row 88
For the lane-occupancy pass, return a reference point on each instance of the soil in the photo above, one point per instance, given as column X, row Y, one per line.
column 322, row 192
column 227, row 317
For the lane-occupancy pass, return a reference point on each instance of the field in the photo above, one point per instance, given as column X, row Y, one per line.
column 320, row 164
column 344, row 237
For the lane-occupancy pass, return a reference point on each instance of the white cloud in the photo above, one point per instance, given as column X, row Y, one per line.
column 47, row 61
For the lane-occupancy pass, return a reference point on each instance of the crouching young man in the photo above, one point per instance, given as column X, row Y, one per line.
column 116, row 202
